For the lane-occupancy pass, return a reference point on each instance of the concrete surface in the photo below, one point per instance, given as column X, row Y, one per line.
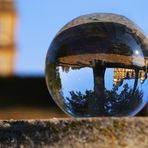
column 76, row 133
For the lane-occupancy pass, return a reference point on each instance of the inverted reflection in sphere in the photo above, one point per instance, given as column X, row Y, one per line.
column 97, row 66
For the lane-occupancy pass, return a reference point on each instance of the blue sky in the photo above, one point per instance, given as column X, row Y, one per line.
column 39, row 21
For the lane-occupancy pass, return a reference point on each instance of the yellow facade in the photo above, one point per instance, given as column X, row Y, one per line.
column 122, row 73
column 7, row 37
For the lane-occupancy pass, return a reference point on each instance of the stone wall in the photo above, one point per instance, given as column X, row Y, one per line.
column 76, row 133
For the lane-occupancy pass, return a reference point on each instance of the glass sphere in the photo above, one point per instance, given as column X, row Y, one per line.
column 97, row 66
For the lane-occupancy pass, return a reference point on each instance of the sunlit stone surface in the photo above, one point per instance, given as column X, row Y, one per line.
column 97, row 66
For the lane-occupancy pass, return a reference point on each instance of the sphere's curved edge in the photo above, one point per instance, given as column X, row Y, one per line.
column 106, row 17
column 107, row 44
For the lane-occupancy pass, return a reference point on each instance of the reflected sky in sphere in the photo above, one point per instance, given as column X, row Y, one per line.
column 78, row 79
column 97, row 66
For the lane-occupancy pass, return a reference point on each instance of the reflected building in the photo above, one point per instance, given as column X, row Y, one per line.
column 7, row 36
column 121, row 74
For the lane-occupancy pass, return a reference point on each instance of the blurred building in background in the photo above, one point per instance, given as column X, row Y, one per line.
column 7, row 36
column 20, row 96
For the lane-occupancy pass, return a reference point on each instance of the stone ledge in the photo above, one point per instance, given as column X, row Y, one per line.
column 77, row 133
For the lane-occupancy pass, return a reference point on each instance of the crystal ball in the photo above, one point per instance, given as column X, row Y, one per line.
column 97, row 66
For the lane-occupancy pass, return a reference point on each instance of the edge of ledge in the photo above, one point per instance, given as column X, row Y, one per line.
column 75, row 132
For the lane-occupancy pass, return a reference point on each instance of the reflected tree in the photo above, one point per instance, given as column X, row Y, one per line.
column 100, row 101
column 136, row 80
column 122, row 103
column 99, row 88
column 78, row 102
column 53, row 79
column 114, row 103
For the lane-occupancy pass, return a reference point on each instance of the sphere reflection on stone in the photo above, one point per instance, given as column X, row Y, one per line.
column 97, row 66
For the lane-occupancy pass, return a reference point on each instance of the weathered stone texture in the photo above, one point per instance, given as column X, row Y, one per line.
column 75, row 133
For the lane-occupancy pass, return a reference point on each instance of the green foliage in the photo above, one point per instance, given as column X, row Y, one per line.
column 53, row 79
column 113, row 103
